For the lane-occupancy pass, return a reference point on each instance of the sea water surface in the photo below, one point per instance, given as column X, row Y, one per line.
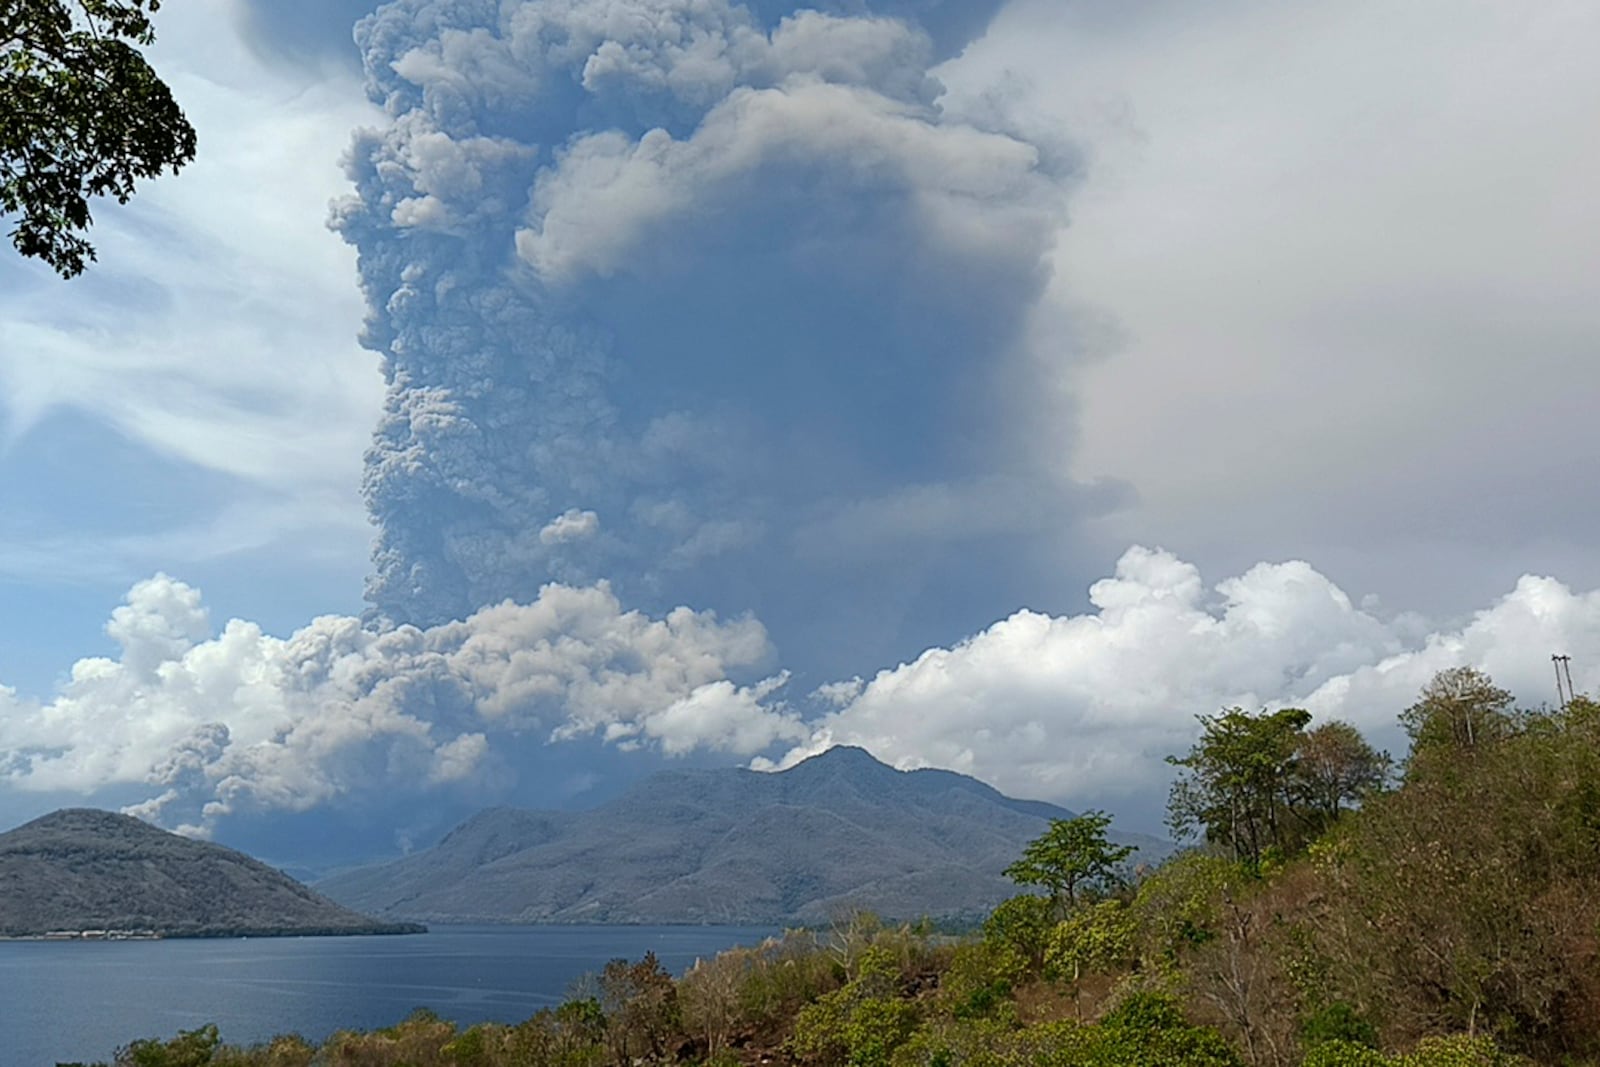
column 62, row 1002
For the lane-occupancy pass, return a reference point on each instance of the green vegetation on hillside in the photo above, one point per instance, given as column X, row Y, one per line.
column 1339, row 914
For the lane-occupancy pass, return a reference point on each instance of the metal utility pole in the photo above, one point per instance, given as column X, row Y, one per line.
column 1564, row 691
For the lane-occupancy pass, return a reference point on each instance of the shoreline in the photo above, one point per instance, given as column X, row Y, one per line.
column 379, row 930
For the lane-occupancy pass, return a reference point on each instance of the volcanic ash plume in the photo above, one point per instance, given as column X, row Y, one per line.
column 677, row 291
column 679, row 302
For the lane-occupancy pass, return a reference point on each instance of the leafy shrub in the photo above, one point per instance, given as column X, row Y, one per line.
column 640, row 1002
column 418, row 1041
column 1176, row 906
column 478, row 1047
column 573, row 1035
column 1338, row 1022
column 1096, row 938
column 1149, row 1029
column 782, row 976
column 1458, row 1050
column 191, row 1048
column 978, row 981
column 964, row 1043
column 1340, row 1053
column 860, row 1024
column 1022, row 925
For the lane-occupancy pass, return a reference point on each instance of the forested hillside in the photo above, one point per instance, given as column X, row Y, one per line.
column 1340, row 910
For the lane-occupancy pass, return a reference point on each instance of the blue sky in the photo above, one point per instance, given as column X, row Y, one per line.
column 997, row 388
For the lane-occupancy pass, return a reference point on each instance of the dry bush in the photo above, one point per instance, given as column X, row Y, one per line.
column 709, row 996
column 419, row 1041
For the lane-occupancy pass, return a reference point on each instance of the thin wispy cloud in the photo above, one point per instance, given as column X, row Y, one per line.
column 215, row 334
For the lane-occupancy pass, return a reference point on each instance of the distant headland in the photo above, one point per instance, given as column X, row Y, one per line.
column 86, row 875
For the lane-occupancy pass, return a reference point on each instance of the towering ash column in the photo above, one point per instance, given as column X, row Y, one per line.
column 693, row 295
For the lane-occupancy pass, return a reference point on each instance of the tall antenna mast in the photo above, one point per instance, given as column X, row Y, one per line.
column 1564, row 691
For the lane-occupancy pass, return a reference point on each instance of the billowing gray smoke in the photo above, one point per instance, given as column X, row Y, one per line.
column 713, row 299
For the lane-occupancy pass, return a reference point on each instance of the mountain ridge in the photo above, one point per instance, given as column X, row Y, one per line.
column 82, row 869
column 839, row 831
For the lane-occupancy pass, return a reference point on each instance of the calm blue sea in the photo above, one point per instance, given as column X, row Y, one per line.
column 62, row 1002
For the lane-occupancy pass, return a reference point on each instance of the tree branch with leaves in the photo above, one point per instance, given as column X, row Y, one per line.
column 82, row 115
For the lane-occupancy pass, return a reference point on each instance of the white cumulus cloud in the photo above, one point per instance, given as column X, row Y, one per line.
column 1079, row 709
column 242, row 720
column 570, row 525
column 1083, row 708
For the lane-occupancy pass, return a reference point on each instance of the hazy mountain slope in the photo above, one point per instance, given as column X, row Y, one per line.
column 837, row 831
column 81, row 869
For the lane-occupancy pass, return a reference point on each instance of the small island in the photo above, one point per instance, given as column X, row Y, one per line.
column 86, row 875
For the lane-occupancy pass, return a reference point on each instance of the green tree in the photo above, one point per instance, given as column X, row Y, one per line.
column 191, row 1048
column 640, row 1002
column 980, row 981
column 1335, row 767
column 1149, row 1030
column 81, row 115
column 572, row 1035
column 1338, row 1022
column 1239, row 786
column 1098, row 938
column 860, row 1024
column 1071, row 855
column 1021, row 926
column 1460, row 711
column 1177, row 906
